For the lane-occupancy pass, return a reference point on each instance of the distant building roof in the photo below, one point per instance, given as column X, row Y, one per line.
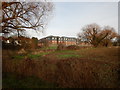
column 59, row 37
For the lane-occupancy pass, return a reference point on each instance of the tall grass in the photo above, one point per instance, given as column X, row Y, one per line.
column 65, row 56
column 12, row 80
column 72, row 72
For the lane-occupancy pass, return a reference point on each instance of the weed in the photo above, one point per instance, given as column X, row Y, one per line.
column 33, row 56
column 18, row 57
column 11, row 80
column 68, row 56
column 50, row 47
column 65, row 51
column 94, row 68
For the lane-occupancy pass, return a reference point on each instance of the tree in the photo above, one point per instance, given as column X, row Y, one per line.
column 45, row 42
column 117, row 41
column 34, row 42
column 91, row 34
column 94, row 35
column 110, row 34
column 22, row 16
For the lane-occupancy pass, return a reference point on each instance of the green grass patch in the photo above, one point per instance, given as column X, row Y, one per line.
column 44, row 53
column 66, row 51
column 10, row 80
column 68, row 56
column 18, row 57
column 52, row 47
column 37, row 55
column 34, row 56
column 49, row 47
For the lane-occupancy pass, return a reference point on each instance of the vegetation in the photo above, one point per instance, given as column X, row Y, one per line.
column 18, row 57
column 25, row 65
column 21, row 16
column 61, row 47
column 83, row 68
column 20, row 43
column 94, row 35
column 49, row 48
column 73, row 47
column 67, row 56
column 34, row 42
column 11, row 80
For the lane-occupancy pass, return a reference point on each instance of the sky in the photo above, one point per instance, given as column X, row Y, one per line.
column 69, row 17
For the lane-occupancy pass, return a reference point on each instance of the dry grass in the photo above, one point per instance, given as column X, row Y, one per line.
column 97, row 67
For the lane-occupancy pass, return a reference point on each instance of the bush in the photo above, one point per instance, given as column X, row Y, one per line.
column 34, row 43
column 76, row 74
column 45, row 43
column 73, row 47
column 10, row 46
column 61, row 47
column 12, row 80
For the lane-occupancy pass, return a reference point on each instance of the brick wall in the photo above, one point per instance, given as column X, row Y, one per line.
column 57, row 40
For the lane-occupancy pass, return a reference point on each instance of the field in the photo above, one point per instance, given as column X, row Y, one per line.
column 83, row 68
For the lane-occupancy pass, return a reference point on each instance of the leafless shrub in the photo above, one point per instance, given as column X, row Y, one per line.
column 61, row 47
column 72, row 47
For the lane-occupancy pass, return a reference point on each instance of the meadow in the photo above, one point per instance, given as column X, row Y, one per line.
column 83, row 68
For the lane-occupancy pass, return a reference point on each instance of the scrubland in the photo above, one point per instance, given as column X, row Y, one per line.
column 83, row 68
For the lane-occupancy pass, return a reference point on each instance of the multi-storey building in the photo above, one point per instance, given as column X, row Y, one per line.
column 58, row 40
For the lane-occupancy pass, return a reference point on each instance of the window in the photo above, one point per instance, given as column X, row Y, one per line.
column 52, row 38
column 48, row 38
column 60, row 39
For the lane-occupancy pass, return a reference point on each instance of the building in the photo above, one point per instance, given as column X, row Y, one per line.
column 54, row 40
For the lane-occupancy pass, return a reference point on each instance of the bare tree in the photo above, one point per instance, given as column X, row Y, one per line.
column 118, row 40
column 110, row 34
column 20, row 16
column 90, row 33
column 93, row 34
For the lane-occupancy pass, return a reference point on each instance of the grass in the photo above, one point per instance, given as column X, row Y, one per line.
column 88, row 68
column 52, row 47
column 31, row 56
column 68, row 56
column 63, row 54
column 65, row 51
column 49, row 47
column 18, row 57
column 11, row 80
column 34, row 56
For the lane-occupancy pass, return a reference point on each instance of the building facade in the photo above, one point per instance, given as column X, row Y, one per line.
column 54, row 40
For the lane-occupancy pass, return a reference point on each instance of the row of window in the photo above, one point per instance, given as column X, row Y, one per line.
column 65, row 42
column 55, row 38
column 62, row 41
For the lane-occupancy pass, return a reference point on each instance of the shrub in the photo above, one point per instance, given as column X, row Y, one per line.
column 61, row 47
column 72, row 47
column 68, row 56
column 45, row 43
column 10, row 46
column 34, row 43
column 76, row 74
column 11, row 80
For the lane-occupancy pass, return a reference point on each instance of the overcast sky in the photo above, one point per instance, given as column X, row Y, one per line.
column 70, row 17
